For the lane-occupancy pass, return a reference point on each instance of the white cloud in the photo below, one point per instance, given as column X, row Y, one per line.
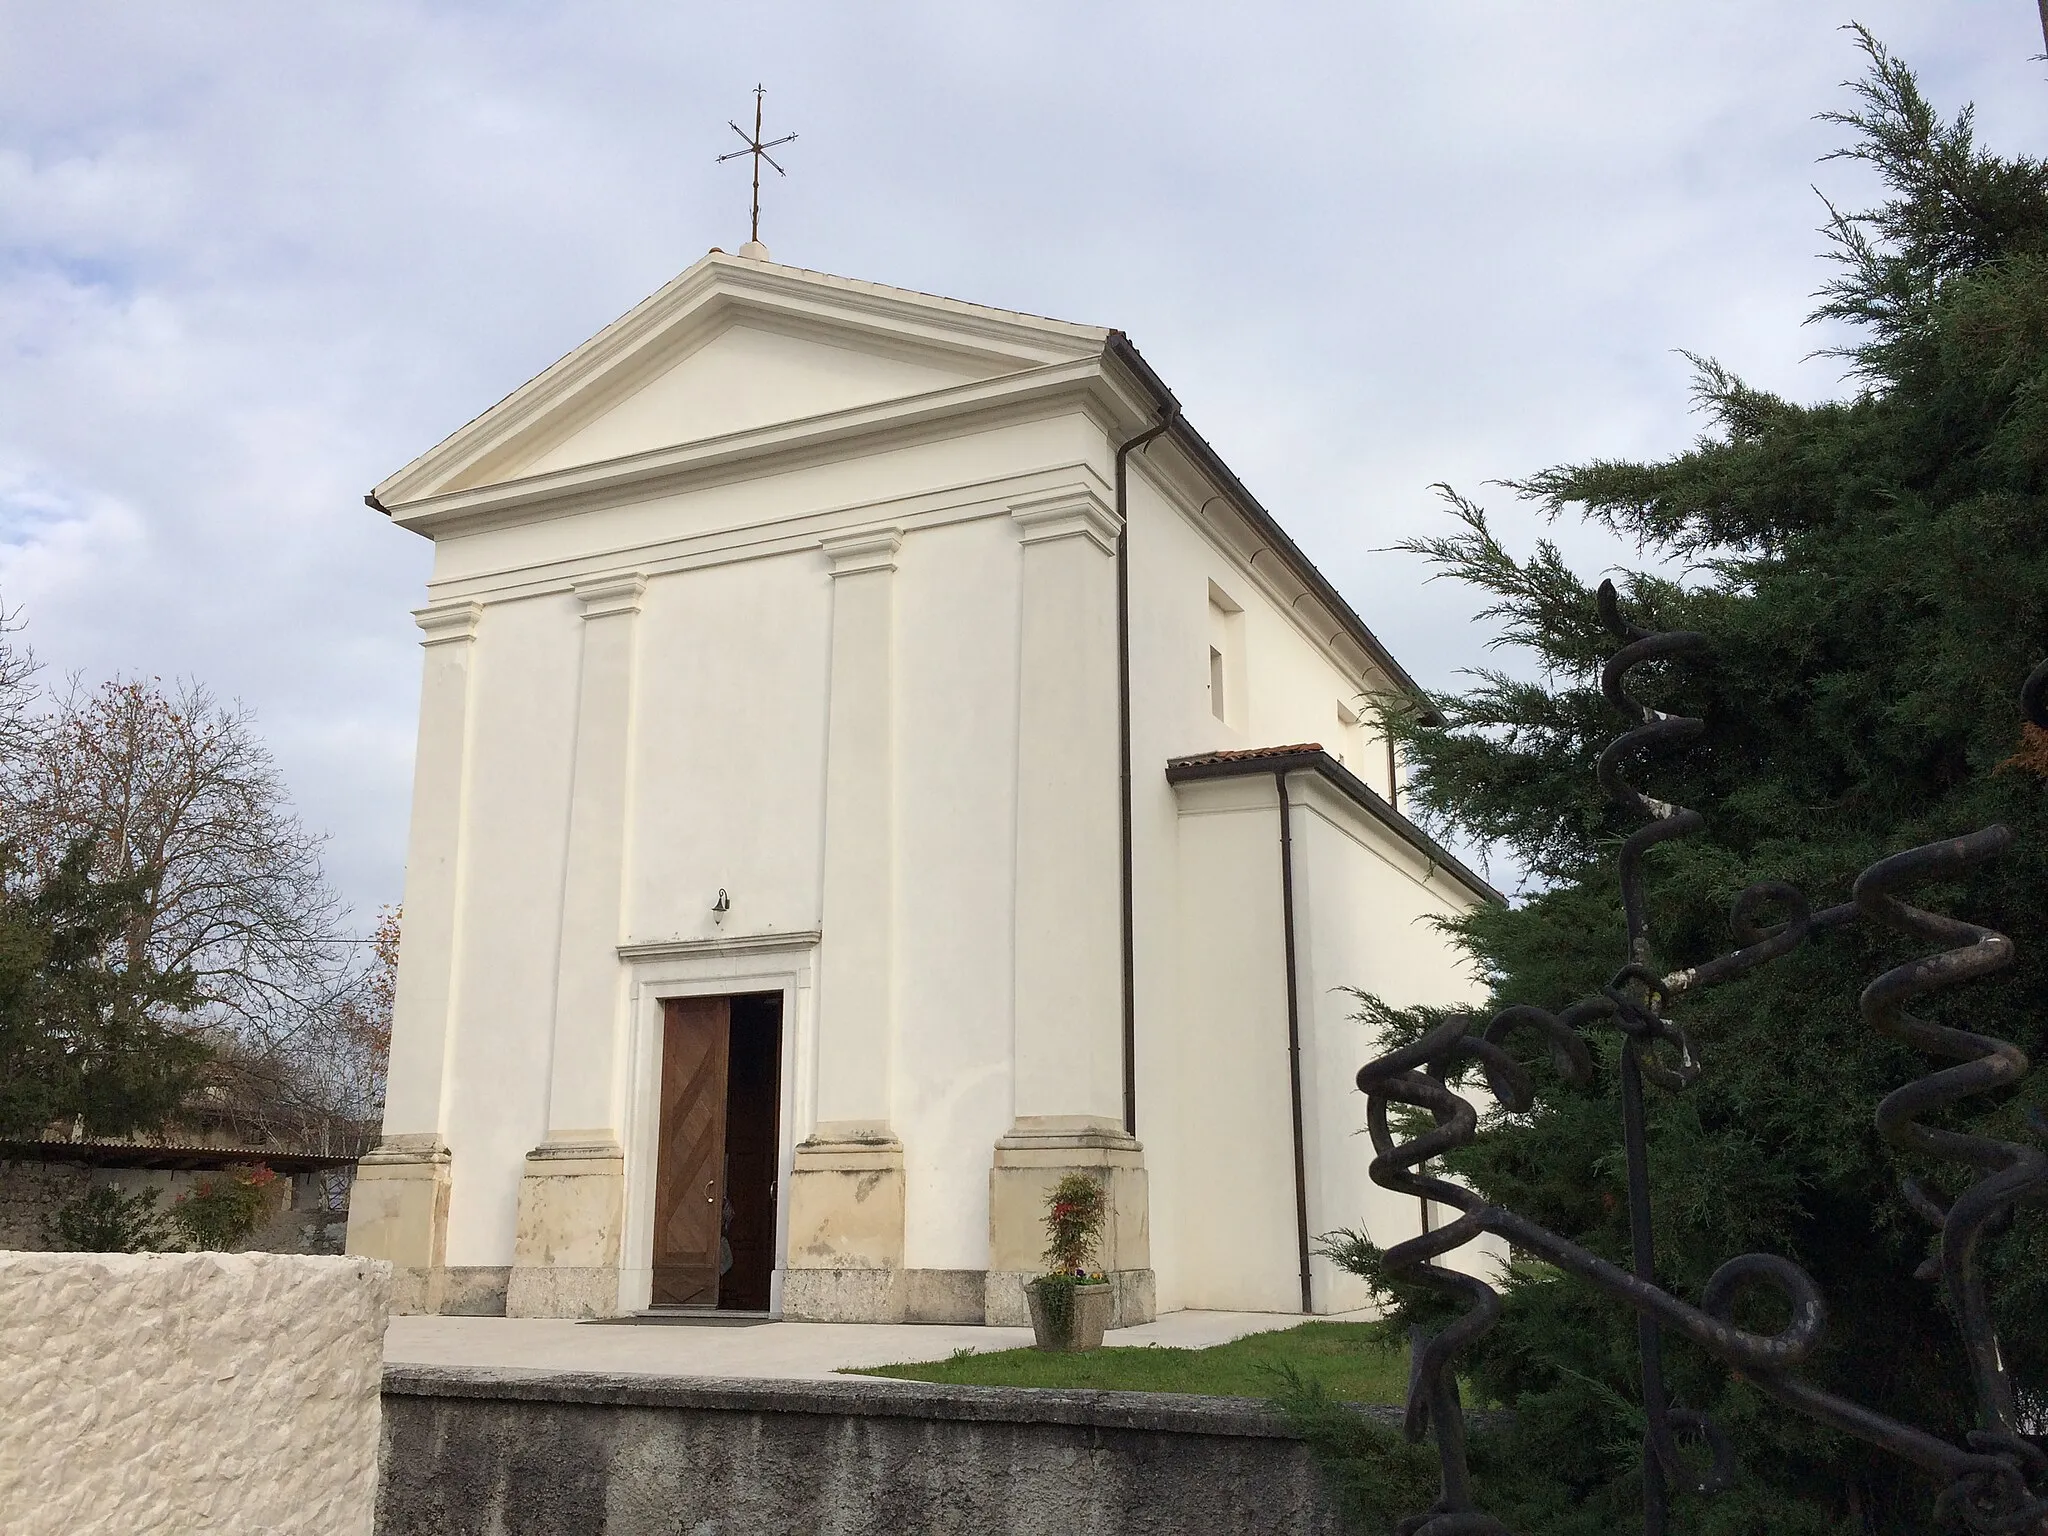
column 254, row 257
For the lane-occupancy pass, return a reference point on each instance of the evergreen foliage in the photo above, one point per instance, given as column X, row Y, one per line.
column 89, row 1037
column 103, row 1220
column 1873, row 576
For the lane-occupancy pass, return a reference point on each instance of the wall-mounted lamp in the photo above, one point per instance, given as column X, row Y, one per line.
column 721, row 906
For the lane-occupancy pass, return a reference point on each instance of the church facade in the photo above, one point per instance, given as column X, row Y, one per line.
column 874, row 759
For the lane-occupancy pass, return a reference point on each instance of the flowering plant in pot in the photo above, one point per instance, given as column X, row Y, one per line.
column 1070, row 1302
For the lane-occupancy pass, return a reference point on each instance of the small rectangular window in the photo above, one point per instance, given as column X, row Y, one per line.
column 1228, row 690
column 1350, row 743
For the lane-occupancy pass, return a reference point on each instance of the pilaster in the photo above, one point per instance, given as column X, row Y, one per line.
column 1068, row 1000
column 572, row 1194
column 399, row 1210
column 1034, row 1157
column 846, row 1187
column 1068, row 975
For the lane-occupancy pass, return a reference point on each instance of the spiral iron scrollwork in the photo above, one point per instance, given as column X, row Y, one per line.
column 1994, row 1485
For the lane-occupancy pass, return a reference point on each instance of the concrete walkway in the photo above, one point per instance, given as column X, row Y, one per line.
column 774, row 1351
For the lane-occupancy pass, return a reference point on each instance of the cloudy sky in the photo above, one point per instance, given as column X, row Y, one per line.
column 255, row 256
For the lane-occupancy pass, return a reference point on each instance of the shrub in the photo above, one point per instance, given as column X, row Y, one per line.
column 1074, row 1214
column 103, row 1220
column 224, row 1210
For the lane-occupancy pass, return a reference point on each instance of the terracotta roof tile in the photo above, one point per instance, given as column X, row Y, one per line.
column 1308, row 756
column 1246, row 754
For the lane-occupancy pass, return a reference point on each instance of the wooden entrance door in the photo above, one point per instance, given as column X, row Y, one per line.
column 689, row 1177
column 753, row 1103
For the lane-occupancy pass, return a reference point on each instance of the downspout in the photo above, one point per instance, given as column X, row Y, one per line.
column 1170, row 413
column 1294, row 1037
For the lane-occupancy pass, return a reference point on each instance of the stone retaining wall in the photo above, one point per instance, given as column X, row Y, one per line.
column 522, row 1453
column 165, row 1394
column 30, row 1194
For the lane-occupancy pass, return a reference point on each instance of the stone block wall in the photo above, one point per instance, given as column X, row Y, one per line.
column 30, row 1194
column 166, row 1394
column 529, row 1453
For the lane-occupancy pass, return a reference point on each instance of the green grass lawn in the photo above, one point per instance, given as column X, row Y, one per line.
column 1349, row 1359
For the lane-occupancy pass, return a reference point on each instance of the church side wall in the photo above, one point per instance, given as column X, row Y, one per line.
column 1281, row 689
column 1221, row 1090
column 1191, row 590
column 1364, row 911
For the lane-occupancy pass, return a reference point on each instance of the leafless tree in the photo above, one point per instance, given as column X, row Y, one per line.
column 19, row 693
column 174, row 782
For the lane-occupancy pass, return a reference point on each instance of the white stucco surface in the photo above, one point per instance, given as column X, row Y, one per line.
column 772, row 645
column 190, row 1392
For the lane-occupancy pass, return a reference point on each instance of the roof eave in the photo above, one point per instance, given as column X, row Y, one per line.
column 1211, row 463
column 1248, row 765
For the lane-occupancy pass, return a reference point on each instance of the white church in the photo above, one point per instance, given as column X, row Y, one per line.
column 875, row 758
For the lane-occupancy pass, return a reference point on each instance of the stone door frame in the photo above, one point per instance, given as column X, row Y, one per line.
column 784, row 963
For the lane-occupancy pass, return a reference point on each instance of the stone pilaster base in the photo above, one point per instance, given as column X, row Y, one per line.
column 565, row 1251
column 884, row 1295
column 398, row 1211
column 1131, row 1298
column 469, row 1290
column 846, row 1228
column 1036, row 1155
column 843, row 1296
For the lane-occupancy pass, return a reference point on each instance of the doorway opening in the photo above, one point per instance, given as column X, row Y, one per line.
column 715, row 1174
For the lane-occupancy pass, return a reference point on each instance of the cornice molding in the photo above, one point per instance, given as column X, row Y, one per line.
column 762, row 450
column 723, row 944
column 606, row 596
column 852, row 554
column 1069, row 514
column 448, row 623
column 799, row 533
column 717, row 291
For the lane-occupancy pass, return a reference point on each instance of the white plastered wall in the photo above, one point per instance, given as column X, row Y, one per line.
column 741, row 376
column 1364, row 902
column 1290, row 690
column 523, row 699
column 1226, row 886
column 729, row 754
column 1220, row 1093
column 1365, row 911
column 956, row 658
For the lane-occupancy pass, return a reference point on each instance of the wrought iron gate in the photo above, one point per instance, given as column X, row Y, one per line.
column 1994, row 1485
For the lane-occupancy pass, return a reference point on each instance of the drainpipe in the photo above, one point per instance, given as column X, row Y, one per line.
column 1169, row 414
column 1294, row 1036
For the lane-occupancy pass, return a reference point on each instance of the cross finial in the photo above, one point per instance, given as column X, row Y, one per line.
column 759, row 151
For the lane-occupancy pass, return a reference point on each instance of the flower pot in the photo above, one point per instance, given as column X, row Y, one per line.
column 1082, row 1330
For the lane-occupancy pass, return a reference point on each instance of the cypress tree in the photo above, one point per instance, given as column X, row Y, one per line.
column 1872, row 573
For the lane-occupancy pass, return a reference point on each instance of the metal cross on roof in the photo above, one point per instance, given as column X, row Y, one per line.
column 759, row 151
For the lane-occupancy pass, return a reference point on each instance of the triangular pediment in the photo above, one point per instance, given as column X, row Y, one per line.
column 731, row 346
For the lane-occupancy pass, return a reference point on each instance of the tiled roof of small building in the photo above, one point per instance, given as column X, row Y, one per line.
column 1245, row 755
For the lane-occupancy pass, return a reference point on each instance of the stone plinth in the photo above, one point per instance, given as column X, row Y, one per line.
column 846, row 1231
column 1029, row 1161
